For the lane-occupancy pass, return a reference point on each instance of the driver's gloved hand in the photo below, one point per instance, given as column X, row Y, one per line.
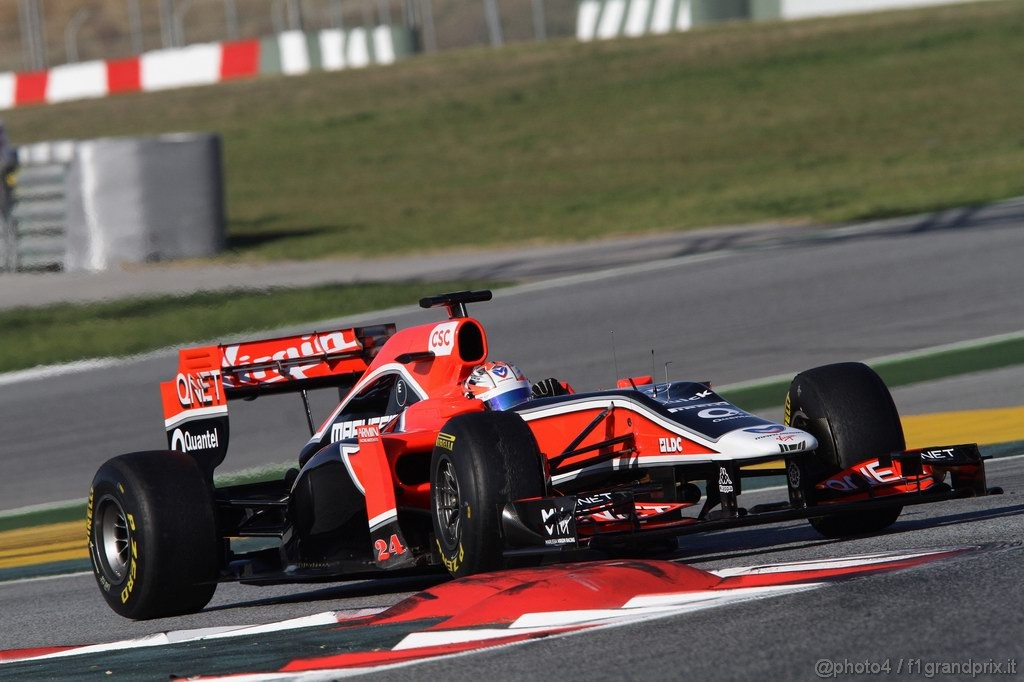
column 545, row 388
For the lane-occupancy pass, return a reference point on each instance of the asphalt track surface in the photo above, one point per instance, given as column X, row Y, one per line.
column 725, row 316
column 965, row 607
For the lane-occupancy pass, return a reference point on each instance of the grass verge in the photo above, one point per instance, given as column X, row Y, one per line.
column 901, row 371
column 825, row 120
column 63, row 333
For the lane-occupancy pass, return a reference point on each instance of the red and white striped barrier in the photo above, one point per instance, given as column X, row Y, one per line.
column 159, row 70
column 289, row 53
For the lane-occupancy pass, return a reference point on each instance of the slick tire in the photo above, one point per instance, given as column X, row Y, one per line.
column 848, row 408
column 482, row 460
column 153, row 536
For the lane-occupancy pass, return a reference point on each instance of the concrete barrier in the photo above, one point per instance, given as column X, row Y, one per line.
column 133, row 200
column 93, row 205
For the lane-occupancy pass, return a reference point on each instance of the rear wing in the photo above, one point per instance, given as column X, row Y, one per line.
column 195, row 402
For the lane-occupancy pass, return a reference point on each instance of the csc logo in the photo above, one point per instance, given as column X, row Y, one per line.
column 442, row 338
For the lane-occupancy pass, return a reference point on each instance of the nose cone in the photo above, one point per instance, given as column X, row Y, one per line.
column 774, row 439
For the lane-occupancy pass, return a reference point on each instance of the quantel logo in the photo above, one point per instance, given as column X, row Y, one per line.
column 183, row 441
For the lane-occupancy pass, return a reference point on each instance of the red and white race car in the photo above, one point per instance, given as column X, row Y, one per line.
column 435, row 457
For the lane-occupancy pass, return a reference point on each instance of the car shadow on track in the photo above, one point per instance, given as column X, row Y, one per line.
column 766, row 541
column 351, row 590
column 913, row 524
column 739, row 544
column 762, row 542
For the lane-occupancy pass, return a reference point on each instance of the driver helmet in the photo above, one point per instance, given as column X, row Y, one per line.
column 500, row 385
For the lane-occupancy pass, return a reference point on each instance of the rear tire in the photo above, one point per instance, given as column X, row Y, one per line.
column 848, row 408
column 153, row 536
column 482, row 461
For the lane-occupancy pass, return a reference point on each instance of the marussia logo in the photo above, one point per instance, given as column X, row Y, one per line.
column 501, row 371
column 561, row 524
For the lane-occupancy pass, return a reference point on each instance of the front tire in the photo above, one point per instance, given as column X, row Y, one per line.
column 482, row 460
column 849, row 410
column 153, row 535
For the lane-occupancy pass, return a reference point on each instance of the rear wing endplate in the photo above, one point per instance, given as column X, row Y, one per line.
column 195, row 402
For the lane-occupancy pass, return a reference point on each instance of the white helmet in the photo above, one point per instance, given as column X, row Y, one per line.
column 499, row 384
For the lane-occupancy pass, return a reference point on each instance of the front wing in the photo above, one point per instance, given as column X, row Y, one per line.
column 614, row 518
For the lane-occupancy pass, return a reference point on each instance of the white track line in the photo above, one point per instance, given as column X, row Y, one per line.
column 43, row 578
column 219, row 632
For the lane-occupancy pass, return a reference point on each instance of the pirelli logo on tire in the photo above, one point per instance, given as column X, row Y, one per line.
column 452, row 563
column 445, row 441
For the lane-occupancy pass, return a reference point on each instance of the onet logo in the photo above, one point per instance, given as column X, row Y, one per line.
column 198, row 390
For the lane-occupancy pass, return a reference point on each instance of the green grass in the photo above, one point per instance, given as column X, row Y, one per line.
column 838, row 119
column 901, row 371
column 62, row 333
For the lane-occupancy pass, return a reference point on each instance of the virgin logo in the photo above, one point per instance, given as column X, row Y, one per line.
column 307, row 347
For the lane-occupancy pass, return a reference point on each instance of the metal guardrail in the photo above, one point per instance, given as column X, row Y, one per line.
column 36, row 223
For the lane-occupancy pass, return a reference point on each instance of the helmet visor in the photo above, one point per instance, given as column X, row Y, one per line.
column 509, row 399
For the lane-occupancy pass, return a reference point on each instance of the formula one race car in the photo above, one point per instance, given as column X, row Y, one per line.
column 429, row 462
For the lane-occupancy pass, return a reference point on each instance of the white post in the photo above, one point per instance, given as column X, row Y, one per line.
column 135, row 26
column 231, row 19
column 493, row 17
column 71, row 34
column 179, row 21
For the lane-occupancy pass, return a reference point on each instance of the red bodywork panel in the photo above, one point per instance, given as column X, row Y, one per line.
column 435, row 359
column 209, row 376
column 648, row 442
